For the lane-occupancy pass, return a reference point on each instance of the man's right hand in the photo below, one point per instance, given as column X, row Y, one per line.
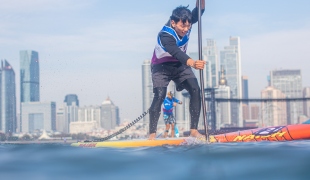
column 198, row 64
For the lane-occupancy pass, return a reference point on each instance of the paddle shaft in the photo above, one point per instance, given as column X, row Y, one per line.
column 203, row 103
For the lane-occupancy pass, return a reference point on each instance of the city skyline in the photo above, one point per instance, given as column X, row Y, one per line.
column 95, row 52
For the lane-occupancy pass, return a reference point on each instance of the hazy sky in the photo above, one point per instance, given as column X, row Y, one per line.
column 95, row 48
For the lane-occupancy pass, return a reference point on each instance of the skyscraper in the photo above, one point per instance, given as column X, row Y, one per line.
column 70, row 99
column 245, row 95
column 29, row 76
column 290, row 83
column 8, row 122
column 230, row 59
column 210, row 55
column 60, row 120
column 147, row 90
column 273, row 113
column 245, row 88
column 109, row 115
column 223, row 110
column 71, row 107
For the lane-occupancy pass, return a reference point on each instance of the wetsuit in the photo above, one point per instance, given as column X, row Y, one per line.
column 169, row 63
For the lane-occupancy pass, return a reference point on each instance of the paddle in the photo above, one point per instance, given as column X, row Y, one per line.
column 201, row 72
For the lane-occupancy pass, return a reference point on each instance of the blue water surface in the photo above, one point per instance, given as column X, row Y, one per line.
column 258, row 160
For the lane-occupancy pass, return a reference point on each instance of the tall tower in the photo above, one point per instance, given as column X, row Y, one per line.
column 147, row 90
column 29, row 76
column 71, row 107
column 231, row 62
column 109, row 115
column 273, row 113
column 8, row 122
column 245, row 88
column 245, row 95
column 210, row 55
column 223, row 110
column 290, row 83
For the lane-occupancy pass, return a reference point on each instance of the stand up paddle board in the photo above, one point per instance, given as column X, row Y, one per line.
column 132, row 143
column 276, row 133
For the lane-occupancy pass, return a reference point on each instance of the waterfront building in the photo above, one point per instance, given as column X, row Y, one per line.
column 8, row 121
column 210, row 55
column 289, row 82
column 245, row 88
column 245, row 95
column 29, row 76
column 273, row 113
column 83, row 127
column 38, row 116
column 230, row 60
column 223, row 109
column 71, row 107
column 60, row 120
column 245, row 111
column 109, row 115
column 89, row 113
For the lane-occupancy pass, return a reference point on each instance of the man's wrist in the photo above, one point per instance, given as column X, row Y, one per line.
column 191, row 63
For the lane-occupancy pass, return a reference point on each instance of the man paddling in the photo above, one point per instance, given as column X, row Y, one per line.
column 169, row 119
column 170, row 62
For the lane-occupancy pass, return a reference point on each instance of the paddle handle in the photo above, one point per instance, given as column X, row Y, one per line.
column 203, row 103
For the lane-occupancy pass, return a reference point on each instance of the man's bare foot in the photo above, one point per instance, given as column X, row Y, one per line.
column 152, row 136
column 196, row 134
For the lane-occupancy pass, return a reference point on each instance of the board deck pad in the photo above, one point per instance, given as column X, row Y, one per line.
column 275, row 133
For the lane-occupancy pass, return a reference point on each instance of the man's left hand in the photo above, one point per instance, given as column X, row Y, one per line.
column 199, row 64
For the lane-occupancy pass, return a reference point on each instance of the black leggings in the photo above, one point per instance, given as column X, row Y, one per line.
column 191, row 85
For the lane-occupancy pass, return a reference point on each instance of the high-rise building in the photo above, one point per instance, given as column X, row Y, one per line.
column 245, row 88
column 38, row 116
column 147, row 90
column 230, row 59
column 70, row 99
column 223, row 110
column 273, row 113
column 89, row 113
column 245, row 111
column 289, row 82
column 306, row 94
column 60, row 120
column 71, row 107
column 109, row 115
column 254, row 112
column 29, row 76
column 88, row 120
column 210, row 54
column 245, row 95
column 29, row 79
column 8, row 122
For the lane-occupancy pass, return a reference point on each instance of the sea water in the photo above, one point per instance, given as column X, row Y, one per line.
column 257, row 160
